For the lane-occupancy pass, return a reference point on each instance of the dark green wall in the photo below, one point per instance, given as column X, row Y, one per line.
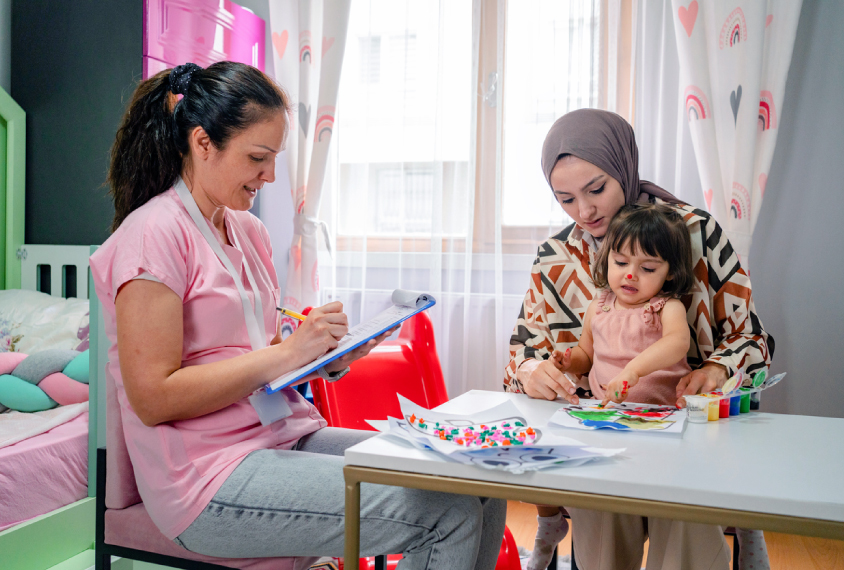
column 74, row 66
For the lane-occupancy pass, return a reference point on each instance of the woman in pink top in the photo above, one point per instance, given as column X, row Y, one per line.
column 189, row 293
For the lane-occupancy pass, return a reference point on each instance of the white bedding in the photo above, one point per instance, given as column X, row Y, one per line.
column 31, row 321
column 18, row 426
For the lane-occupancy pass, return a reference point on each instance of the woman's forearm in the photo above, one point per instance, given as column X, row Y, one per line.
column 194, row 391
column 149, row 342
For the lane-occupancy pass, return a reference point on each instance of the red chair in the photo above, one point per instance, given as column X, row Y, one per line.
column 408, row 366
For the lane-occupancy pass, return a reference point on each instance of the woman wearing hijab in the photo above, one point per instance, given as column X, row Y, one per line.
column 590, row 160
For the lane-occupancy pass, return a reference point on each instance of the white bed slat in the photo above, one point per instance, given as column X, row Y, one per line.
column 56, row 256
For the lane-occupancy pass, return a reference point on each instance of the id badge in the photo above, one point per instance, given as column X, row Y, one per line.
column 270, row 407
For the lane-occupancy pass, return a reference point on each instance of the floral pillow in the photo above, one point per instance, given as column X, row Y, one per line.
column 31, row 321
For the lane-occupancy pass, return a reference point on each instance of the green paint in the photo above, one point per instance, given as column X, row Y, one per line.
column 759, row 378
column 595, row 415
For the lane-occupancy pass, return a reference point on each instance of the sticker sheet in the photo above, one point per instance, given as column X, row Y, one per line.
column 627, row 416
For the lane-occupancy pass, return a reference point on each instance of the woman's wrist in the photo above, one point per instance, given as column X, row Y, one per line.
column 717, row 372
column 526, row 368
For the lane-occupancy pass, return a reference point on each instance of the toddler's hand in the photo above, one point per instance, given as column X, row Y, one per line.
column 561, row 360
column 616, row 391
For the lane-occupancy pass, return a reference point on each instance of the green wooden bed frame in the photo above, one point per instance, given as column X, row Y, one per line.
column 62, row 537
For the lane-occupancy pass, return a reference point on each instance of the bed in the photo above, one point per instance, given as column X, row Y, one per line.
column 52, row 513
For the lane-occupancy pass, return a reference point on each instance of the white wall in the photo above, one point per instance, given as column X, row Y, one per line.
column 796, row 259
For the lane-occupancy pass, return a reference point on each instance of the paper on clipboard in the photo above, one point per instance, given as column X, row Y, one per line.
column 405, row 305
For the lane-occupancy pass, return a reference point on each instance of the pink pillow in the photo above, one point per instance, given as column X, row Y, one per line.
column 64, row 389
column 10, row 360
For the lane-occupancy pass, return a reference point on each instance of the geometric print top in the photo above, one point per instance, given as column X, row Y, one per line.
column 722, row 319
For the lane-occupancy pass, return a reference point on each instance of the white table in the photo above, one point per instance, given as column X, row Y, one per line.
column 771, row 472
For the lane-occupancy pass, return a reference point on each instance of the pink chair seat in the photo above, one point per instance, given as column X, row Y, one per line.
column 132, row 528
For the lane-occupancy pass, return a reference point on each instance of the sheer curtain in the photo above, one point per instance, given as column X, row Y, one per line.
column 434, row 181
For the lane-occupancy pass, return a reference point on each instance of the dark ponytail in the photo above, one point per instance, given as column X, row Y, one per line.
column 152, row 141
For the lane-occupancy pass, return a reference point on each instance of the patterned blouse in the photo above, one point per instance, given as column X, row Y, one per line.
column 722, row 319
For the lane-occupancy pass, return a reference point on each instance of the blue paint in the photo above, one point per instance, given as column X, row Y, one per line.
column 599, row 425
column 735, row 405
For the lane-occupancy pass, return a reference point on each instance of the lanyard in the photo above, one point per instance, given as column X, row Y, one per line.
column 253, row 316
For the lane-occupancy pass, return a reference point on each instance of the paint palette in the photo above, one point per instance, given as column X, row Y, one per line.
column 732, row 390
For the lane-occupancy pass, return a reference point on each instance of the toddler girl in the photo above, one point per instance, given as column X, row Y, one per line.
column 635, row 333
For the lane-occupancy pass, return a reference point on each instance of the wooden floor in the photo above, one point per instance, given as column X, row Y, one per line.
column 786, row 551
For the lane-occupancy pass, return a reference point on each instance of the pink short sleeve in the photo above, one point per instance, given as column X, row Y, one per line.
column 155, row 244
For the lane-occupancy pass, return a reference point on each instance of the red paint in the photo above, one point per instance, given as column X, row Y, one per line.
column 630, row 276
column 724, row 408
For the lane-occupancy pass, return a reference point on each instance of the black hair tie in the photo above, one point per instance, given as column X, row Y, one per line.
column 180, row 78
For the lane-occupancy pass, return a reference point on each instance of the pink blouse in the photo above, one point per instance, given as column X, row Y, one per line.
column 180, row 465
column 619, row 336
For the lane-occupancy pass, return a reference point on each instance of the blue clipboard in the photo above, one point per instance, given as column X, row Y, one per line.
column 276, row 385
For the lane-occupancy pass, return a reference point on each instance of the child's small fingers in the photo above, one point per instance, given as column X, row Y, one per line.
column 567, row 357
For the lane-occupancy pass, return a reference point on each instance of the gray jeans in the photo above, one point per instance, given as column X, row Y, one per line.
column 291, row 503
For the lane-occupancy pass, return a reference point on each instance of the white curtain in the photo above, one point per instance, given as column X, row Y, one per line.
column 308, row 38
column 734, row 59
column 437, row 157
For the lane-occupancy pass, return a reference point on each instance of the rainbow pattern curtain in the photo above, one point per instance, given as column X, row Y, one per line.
column 734, row 60
column 309, row 38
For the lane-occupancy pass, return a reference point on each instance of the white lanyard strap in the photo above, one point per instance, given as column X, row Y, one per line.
column 256, row 338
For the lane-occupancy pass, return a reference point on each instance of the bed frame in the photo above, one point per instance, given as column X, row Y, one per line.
column 65, row 536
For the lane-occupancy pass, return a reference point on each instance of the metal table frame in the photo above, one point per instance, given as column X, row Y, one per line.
column 355, row 475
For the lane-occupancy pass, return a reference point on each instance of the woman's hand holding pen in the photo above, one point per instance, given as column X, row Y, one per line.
column 319, row 333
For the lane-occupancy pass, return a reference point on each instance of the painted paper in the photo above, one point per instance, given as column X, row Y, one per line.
column 627, row 416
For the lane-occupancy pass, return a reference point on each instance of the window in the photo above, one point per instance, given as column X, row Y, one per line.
column 404, row 120
column 369, row 48
column 551, row 67
column 405, row 138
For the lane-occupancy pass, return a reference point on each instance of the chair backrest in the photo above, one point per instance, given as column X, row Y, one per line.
column 408, row 365
column 121, row 488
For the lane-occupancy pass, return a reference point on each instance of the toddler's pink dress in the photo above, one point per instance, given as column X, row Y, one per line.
column 620, row 335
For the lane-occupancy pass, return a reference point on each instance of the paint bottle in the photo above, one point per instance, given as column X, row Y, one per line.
column 735, row 405
column 724, row 408
column 754, row 400
column 713, row 408
column 745, row 400
column 698, row 409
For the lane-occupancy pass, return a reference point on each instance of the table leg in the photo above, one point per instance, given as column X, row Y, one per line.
column 352, row 546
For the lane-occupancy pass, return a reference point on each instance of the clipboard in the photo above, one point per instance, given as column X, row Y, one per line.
column 405, row 305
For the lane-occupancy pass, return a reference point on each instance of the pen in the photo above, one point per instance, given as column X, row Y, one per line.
column 290, row 313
